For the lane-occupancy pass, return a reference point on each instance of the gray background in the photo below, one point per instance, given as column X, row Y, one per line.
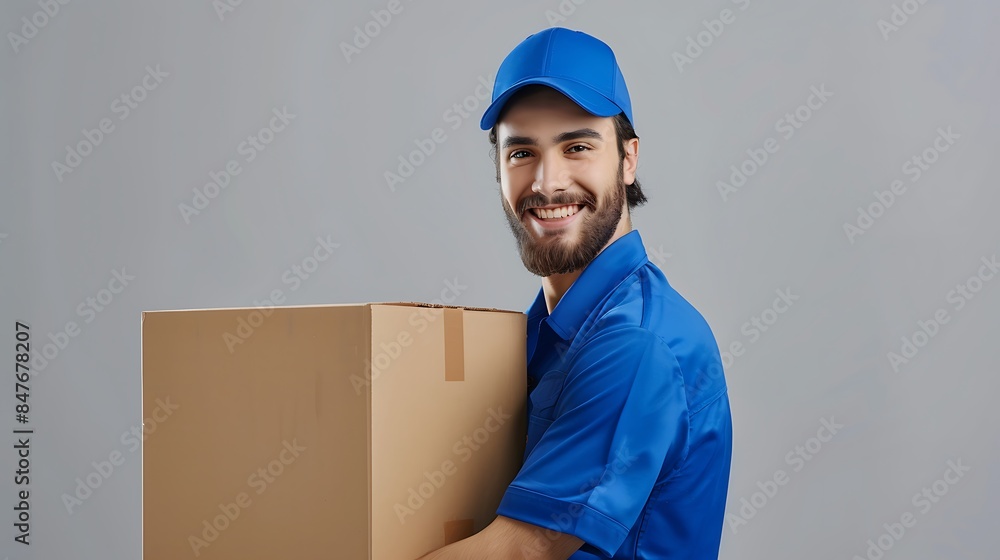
column 323, row 176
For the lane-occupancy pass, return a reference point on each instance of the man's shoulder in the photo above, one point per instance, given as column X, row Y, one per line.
column 646, row 303
column 646, row 300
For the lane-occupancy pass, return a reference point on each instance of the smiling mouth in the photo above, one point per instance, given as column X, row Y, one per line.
column 555, row 213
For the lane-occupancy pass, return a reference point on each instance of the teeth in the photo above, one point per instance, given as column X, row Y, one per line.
column 555, row 213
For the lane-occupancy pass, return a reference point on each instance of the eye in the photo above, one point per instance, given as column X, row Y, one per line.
column 577, row 148
column 519, row 154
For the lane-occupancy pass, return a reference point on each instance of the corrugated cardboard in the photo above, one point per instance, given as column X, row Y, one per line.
column 350, row 432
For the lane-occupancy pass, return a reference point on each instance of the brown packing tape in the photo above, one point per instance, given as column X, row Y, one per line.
column 454, row 345
column 457, row 530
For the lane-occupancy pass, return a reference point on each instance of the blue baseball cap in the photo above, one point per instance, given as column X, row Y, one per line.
column 577, row 65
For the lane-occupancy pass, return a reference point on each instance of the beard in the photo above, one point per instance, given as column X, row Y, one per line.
column 554, row 252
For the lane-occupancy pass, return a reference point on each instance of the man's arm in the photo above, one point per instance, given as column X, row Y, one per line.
column 508, row 538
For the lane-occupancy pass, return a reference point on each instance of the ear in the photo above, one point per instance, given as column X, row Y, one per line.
column 631, row 160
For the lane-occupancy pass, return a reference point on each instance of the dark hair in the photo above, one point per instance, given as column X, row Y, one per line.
column 623, row 133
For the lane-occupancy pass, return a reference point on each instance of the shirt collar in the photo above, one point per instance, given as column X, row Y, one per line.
column 608, row 269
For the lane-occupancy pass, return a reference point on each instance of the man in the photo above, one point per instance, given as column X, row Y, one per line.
column 629, row 431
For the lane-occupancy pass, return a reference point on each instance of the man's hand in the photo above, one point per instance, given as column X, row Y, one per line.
column 509, row 539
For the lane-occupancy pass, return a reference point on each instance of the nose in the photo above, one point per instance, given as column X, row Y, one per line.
column 551, row 175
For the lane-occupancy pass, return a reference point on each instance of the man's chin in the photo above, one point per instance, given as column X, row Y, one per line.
column 544, row 239
column 555, row 256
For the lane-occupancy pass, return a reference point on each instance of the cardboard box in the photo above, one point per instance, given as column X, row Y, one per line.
column 374, row 431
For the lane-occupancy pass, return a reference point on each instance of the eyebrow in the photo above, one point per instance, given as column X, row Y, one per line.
column 563, row 137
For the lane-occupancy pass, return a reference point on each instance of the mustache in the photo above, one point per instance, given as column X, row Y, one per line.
column 560, row 199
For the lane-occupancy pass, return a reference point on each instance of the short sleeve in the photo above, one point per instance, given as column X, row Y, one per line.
column 620, row 419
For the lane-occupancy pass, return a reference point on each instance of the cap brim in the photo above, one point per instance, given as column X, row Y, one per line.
column 583, row 95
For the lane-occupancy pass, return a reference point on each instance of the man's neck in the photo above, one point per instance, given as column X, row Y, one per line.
column 556, row 285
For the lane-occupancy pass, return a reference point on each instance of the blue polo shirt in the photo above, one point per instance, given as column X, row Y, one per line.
column 629, row 427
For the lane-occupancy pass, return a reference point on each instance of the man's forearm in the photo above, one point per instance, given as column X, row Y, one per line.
column 508, row 539
column 466, row 548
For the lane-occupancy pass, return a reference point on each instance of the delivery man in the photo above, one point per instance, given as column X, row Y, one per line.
column 629, row 429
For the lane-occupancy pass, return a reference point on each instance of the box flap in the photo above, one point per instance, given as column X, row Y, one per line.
column 398, row 303
column 443, row 306
column 253, row 307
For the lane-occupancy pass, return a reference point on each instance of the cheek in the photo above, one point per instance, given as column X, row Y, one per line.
column 598, row 176
column 515, row 185
column 509, row 200
column 507, row 185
